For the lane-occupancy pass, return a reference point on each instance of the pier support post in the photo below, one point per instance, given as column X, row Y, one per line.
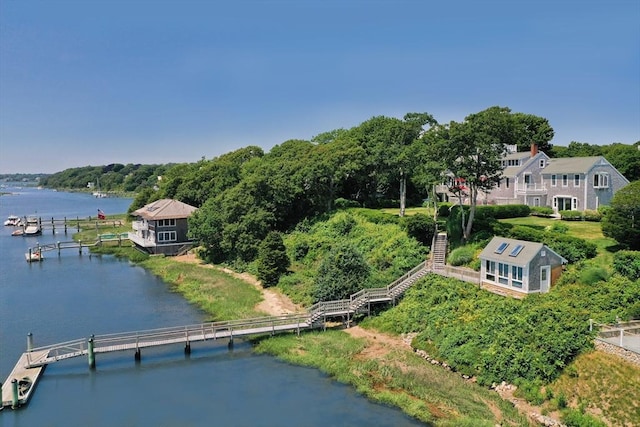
column 29, row 341
column 138, row 355
column 15, row 401
column 230, row 345
column 80, row 247
column 91, row 354
column 187, row 348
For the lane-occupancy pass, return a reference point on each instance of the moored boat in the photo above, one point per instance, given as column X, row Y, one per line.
column 33, row 227
column 13, row 221
column 34, row 256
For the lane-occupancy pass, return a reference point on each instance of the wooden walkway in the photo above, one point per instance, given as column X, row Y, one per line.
column 73, row 244
column 31, row 364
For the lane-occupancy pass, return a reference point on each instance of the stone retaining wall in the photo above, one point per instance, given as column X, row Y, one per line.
column 627, row 355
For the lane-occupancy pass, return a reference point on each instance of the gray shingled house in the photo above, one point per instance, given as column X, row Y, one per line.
column 518, row 267
column 573, row 183
column 161, row 227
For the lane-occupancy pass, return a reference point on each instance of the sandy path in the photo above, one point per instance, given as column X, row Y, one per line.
column 274, row 303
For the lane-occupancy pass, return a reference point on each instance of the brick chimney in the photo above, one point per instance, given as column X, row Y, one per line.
column 534, row 149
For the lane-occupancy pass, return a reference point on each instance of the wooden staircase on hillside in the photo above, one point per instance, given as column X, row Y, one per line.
column 439, row 251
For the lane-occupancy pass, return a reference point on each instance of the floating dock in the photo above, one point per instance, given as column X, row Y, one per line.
column 21, row 382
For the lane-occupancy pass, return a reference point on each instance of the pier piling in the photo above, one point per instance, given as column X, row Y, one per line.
column 15, row 402
column 29, row 341
column 91, row 354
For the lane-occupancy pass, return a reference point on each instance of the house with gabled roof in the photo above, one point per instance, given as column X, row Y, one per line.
column 161, row 227
column 518, row 267
column 571, row 183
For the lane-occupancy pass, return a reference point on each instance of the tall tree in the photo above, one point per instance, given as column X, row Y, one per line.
column 472, row 152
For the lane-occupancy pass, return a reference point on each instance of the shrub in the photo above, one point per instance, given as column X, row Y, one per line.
column 627, row 263
column 502, row 211
column 633, row 311
column 577, row 418
column 571, row 215
column 444, row 209
column 574, row 249
column 559, row 227
column 272, row 261
column 421, row 227
column 300, row 250
column 461, row 256
column 591, row 215
column 342, row 203
column 544, row 211
column 342, row 273
column 377, row 217
column 593, row 275
column 622, row 220
column 523, row 232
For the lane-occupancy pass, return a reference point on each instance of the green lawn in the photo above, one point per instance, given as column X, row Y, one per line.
column 587, row 230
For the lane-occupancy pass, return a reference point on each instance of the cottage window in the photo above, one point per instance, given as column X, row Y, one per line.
column 507, row 182
column 576, row 180
column 516, row 274
column 565, row 180
column 166, row 236
column 541, row 163
column 554, row 180
column 491, row 270
column 167, row 222
column 600, row 180
column 574, row 204
column 503, row 273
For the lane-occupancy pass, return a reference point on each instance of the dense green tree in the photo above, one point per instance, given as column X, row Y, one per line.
column 532, row 129
column 472, row 151
column 342, row 273
column 622, row 220
column 421, row 227
column 272, row 261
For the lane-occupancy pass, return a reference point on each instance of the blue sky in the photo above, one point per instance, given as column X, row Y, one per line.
column 158, row 81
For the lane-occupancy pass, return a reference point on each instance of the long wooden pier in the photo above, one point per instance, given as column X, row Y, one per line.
column 31, row 364
column 66, row 224
column 78, row 244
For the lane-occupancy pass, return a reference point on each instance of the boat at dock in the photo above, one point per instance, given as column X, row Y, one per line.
column 33, row 227
column 13, row 221
column 34, row 256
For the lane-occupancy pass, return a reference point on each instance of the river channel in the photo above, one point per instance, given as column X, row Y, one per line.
column 70, row 296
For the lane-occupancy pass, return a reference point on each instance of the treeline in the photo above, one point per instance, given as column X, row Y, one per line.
column 22, row 177
column 244, row 195
column 383, row 162
column 115, row 177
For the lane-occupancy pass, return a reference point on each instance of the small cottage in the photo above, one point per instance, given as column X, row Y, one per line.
column 518, row 267
column 161, row 227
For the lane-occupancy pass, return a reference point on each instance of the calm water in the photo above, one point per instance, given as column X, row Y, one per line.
column 70, row 296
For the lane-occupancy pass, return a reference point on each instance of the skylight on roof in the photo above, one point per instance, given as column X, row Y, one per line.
column 516, row 250
column 502, row 247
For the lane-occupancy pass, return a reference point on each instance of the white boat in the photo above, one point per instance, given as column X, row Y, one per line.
column 34, row 256
column 33, row 227
column 13, row 221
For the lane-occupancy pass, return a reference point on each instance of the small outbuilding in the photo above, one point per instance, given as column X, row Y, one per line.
column 161, row 227
column 518, row 267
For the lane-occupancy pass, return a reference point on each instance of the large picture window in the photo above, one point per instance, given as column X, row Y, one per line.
column 167, row 222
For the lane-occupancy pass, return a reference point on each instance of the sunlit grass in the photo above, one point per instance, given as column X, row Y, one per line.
column 399, row 378
column 587, row 230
